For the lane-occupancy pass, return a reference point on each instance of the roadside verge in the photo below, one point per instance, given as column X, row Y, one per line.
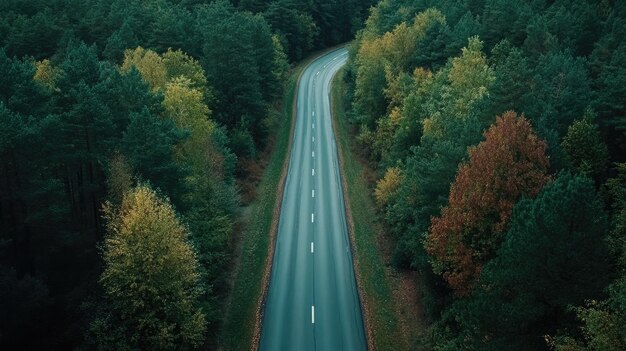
column 382, row 327
column 241, row 321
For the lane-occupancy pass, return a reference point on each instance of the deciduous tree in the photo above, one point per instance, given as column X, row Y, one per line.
column 509, row 164
column 150, row 279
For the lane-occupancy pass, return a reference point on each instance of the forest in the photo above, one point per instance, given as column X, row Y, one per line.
column 497, row 132
column 132, row 133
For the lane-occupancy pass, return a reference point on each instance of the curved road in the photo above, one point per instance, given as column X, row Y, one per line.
column 312, row 302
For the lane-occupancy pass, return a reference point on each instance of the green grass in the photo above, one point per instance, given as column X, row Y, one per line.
column 240, row 317
column 374, row 284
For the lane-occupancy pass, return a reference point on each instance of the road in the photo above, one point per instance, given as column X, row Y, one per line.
column 312, row 302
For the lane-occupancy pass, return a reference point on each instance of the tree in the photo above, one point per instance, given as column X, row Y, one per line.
column 148, row 144
column 611, row 89
column 513, row 81
column 46, row 74
column 538, row 273
column 119, row 179
column 296, row 28
column 281, row 64
column 539, row 40
column 504, row 19
column 602, row 321
column 382, row 59
column 386, row 187
column 35, row 35
column 467, row 27
column 585, row 149
column 561, row 92
column 149, row 64
column 234, row 67
column 121, row 40
column 150, row 279
column 457, row 90
column 177, row 64
column 509, row 164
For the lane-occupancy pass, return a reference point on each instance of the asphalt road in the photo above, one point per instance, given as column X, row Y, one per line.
column 312, row 302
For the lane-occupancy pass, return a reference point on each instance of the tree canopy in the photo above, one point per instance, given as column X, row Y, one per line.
column 472, row 214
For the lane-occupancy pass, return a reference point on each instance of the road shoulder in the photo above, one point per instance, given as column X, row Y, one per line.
column 388, row 297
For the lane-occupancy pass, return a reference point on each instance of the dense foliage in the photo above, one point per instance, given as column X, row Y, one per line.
column 497, row 130
column 151, row 278
column 509, row 164
column 158, row 107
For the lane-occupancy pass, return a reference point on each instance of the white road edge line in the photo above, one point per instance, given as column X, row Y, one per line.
column 312, row 314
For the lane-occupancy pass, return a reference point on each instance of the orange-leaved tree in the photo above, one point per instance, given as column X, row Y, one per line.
column 510, row 163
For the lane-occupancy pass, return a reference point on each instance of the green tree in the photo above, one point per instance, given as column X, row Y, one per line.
column 458, row 89
column 539, row 41
column 504, row 19
column 561, row 92
column 527, row 290
column 296, row 28
column 467, row 27
column 585, row 149
column 602, row 321
column 610, row 60
column 230, row 60
column 35, row 35
column 513, row 81
column 121, row 40
column 148, row 143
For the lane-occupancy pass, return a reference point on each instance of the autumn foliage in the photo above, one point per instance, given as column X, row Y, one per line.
column 510, row 163
column 388, row 186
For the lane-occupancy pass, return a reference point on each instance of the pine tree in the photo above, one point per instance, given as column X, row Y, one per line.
column 539, row 272
column 585, row 149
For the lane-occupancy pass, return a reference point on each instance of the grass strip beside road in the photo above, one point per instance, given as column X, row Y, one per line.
column 374, row 288
column 240, row 321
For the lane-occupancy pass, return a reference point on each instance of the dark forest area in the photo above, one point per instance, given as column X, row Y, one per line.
column 497, row 129
column 127, row 133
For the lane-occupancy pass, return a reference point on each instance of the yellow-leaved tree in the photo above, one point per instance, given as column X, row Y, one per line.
column 46, row 74
column 210, row 198
column 388, row 186
column 150, row 279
